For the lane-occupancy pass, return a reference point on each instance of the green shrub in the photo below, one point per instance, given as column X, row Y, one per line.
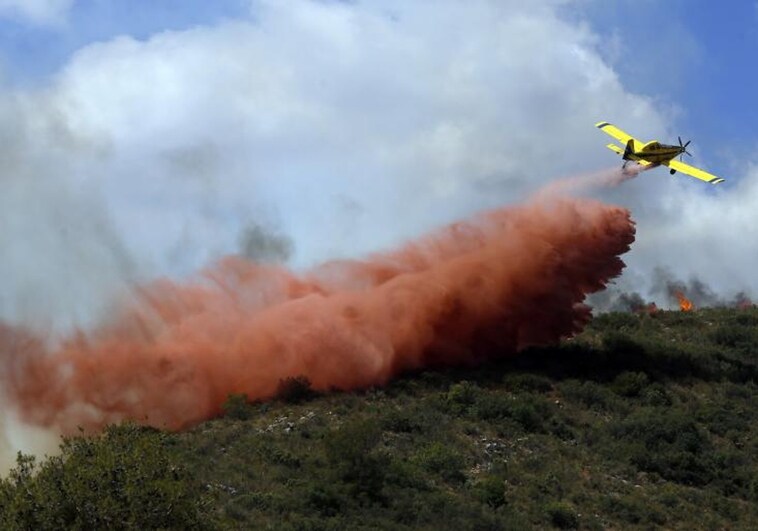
column 747, row 319
column 127, row 478
column 326, row 499
column 294, row 390
column 493, row 406
column 632, row 509
column 351, row 451
column 531, row 413
column 589, row 394
column 442, row 460
column 491, row 491
column 656, row 395
column 237, row 407
column 630, row 384
column 462, row 394
column 561, row 430
column 401, row 421
column 734, row 336
column 617, row 321
column 668, row 444
column 623, row 346
column 723, row 419
column 527, row 382
column 562, row 515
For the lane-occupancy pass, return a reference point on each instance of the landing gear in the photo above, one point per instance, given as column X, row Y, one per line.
column 672, row 172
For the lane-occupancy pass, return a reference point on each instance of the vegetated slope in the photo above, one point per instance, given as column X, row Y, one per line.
column 642, row 420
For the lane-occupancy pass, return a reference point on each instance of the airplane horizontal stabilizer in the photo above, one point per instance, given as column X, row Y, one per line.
column 614, row 147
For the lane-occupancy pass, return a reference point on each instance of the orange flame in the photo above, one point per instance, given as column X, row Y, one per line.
column 685, row 304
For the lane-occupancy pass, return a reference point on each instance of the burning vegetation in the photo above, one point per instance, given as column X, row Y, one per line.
column 685, row 304
column 673, row 293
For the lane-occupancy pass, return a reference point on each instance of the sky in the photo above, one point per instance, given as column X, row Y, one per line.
column 695, row 56
column 147, row 138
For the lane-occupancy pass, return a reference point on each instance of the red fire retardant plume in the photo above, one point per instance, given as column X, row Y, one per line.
column 474, row 290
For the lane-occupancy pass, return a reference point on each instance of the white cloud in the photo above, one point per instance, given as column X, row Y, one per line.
column 349, row 126
column 42, row 12
column 450, row 106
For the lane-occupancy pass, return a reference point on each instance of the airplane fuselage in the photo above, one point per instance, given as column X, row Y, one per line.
column 658, row 153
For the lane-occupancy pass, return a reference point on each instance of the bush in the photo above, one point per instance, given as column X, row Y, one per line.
column 623, row 346
column 630, row 384
column 491, row 491
column 562, row 515
column 401, row 421
column 747, row 319
column 294, row 390
column 617, row 321
column 351, row 450
column 527, row 382
column 670, row 445
column 493, row 406
column 735, row 336
column 442, row 460
column 352, row 442
column 125, row 479
column 325, row 499
column 462, row 394
column 589, row 394
column 531, row 413
column 656, row 395
column 237, row 407
column 633, row 509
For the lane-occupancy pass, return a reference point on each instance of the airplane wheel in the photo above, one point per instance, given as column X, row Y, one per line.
column 672, row 172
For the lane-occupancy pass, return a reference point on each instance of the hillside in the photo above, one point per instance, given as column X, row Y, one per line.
column 641, row 421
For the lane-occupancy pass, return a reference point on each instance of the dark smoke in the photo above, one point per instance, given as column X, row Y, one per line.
column 665, row 284
column 264, row 246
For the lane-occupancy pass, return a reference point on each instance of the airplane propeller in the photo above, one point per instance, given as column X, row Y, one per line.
column 684, row 148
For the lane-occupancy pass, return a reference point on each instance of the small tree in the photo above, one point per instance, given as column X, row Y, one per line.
column 127, row 478
column 295, row 389
column 237, row 407
column 353, row 456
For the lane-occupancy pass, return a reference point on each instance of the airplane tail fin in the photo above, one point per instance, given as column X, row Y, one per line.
column 629, row 149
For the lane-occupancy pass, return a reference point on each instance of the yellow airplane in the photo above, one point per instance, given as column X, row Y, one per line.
column 654, row 153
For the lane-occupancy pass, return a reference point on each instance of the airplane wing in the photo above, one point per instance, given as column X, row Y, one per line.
column 697, row 173
column 615, row 132
column 620, row 151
